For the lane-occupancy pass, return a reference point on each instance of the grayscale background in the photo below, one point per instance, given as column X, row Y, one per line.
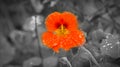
column 22, row 23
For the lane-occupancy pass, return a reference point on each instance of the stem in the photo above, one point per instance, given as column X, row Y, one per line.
column 90, row 63
column 37, row 35
column 65, row 58
column 93, row 59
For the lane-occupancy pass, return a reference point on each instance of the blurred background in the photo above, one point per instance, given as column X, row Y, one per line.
column 20, row 44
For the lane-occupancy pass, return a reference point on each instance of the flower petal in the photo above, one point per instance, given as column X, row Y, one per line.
column 73, row 39
column 52, row 21
column 70, row 20
column 55, row 19
column 78, row 37
column 51, row 41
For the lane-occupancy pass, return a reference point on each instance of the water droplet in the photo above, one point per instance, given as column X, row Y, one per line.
column 43, row 40
column 80, row 36
column 118, row 42
column 111, row 47
column 109, row 44
column 54, row 44
column 103, row 46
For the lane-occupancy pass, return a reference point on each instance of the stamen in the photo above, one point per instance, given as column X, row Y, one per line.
column 61, row 30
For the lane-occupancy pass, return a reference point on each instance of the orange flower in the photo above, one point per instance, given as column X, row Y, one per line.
column 62, row 32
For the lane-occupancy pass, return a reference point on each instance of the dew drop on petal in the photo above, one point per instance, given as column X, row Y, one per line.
column 54, row 44
column 80, row 36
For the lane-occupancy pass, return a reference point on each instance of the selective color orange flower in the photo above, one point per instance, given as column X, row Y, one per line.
column 62, row 32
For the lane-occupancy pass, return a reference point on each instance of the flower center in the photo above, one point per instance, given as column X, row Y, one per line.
column 61, row 30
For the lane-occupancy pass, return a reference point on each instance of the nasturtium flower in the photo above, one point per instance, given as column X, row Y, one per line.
column 62, row 32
